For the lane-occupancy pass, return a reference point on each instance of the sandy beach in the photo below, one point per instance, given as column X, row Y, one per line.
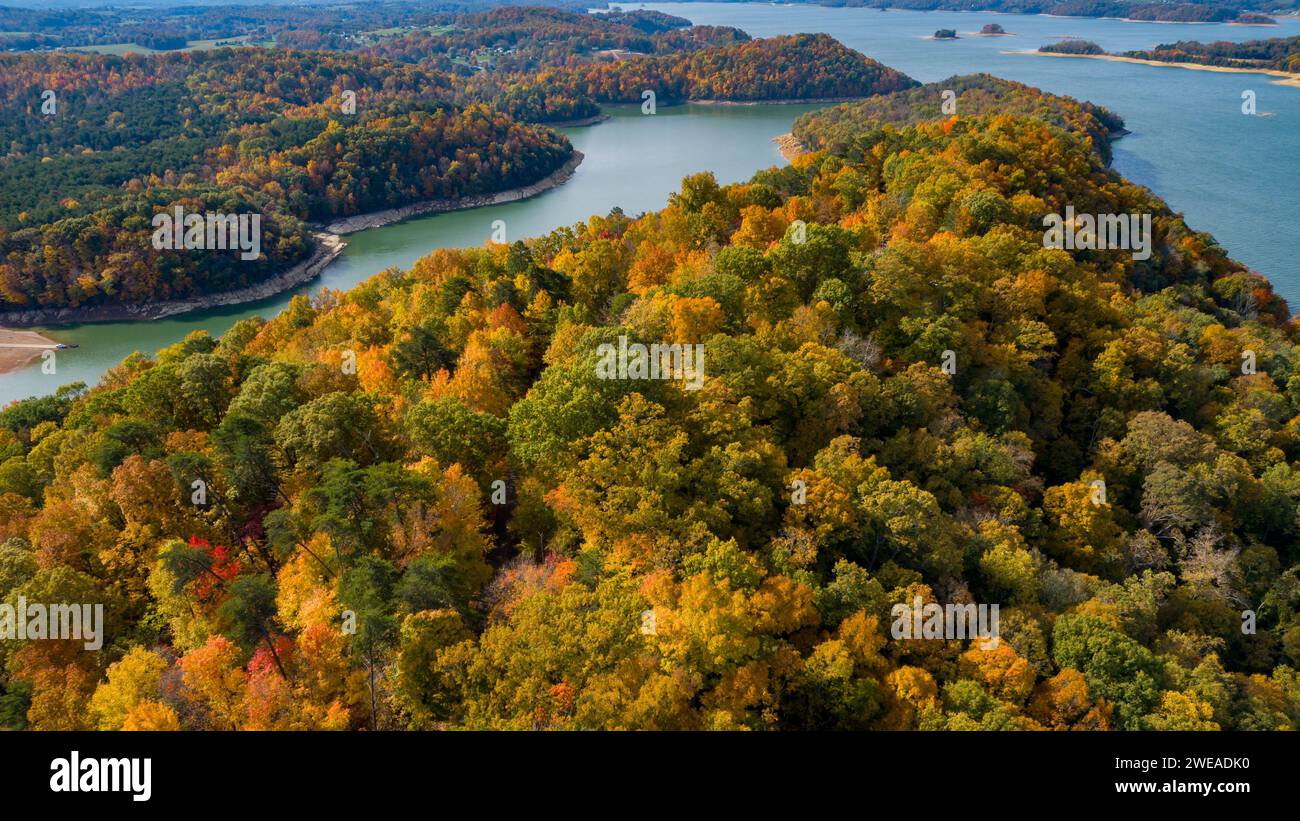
column 1287, row 78
column 1131, row 20
column 17, row 348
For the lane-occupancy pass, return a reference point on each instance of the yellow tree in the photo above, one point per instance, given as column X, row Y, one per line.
column 132, row 680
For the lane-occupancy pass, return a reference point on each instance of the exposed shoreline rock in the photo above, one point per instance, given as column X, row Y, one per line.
column 805, row 101
column 1286, row 78
column 329, row 244
column 790, row 146
column 584, row 121
column 388, row 216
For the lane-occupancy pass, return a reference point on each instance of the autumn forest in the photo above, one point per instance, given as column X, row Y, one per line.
column 424, row 503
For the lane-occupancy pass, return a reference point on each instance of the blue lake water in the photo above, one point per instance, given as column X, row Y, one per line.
column 1235, row 176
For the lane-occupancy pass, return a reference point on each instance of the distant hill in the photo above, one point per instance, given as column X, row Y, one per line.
column 976, row 94
column 1280, row 53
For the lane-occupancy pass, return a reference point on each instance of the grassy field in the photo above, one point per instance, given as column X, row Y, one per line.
column 120, row 49
column 395, row 30
column 205, row 45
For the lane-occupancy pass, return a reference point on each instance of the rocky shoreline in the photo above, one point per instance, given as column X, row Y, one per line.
column 329, row 244
column 592, row 120
column 375, row 219
column 790, row 146
column 806, row 101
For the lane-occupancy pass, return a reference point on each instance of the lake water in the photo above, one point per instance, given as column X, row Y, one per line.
column 1234, row 176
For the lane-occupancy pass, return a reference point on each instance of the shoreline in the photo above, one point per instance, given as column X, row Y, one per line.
column 329, row 244
column 19, row 348
column 806, row 101
column 388, row 216
column 1131, row 20
column 594, row 119
column 1286, row 78
column 790, row 146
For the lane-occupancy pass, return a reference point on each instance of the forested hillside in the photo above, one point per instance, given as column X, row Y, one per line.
column 527, row 39
column 800, row 66
column 1191, row 11
column 1281, row 53
column 458, row 30
column 230, row 131
column 98, row 145
column 309, row 25
column 846, row 129
column 505, row 51
column 423, row 507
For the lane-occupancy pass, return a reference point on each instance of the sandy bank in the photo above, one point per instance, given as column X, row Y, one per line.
column 17, row 348
column 1288, row 79
column 1131, row 20
column 584, row 121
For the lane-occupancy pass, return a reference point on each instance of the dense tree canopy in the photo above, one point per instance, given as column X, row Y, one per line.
column 905, row 396
column 971, row 95
column 232, row 131
column 298, row 137
column 1280, row 53
column 801, row 66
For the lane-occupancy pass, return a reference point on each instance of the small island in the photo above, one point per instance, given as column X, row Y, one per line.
column 1250, row 18
column 1277, row 57
column 993, row 30
column 1072, row 47
column 945, row 34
